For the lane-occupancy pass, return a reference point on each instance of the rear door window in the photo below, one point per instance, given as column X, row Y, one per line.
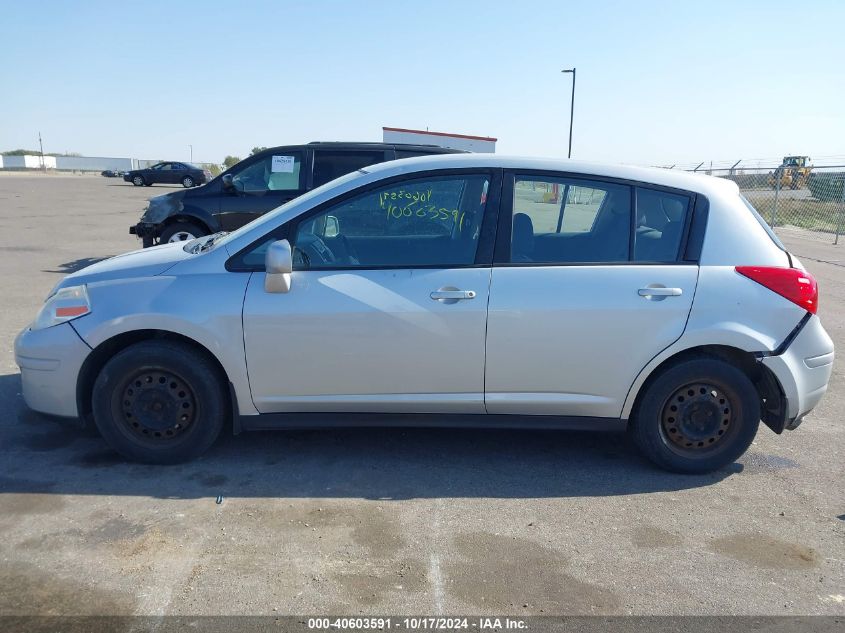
column 564, row 221
column 329, row 164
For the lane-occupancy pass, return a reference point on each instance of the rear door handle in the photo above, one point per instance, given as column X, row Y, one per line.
column 660, row 291
column 450, row 296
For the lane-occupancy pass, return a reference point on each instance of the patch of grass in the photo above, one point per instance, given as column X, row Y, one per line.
column 815, row 215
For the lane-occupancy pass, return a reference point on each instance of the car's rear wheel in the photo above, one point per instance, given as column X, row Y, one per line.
column 138, row 181
column 187, row 182
column 697, row 416
column 181, row 232
column 159, row 402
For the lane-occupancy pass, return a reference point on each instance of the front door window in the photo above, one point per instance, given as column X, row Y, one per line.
column 272, row 173
column 427, row 222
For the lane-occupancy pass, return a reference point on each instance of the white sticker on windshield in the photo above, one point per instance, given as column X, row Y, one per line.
column 282, row 164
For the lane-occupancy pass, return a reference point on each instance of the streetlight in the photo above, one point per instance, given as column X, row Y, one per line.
column 192, row 152
column 41, row 145
column 571, row 109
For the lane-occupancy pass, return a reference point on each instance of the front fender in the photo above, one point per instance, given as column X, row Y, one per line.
column 191, row 212
column 205, row 308
column 179, row 205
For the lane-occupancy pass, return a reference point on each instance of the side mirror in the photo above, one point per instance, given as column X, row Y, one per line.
column 228, row 183
column 278, row 263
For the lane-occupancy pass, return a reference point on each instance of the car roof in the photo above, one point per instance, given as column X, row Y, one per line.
column 363, row 145
column 698, row 183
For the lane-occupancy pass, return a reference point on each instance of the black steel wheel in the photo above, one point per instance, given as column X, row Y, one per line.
column 158, row 405
column 160, row 402
column 696, row 416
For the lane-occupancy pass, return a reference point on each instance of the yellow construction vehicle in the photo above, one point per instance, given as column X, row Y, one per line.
column 793, row 173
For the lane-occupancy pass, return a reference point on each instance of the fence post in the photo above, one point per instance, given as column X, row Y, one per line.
column 775, row 206
column 841, row 213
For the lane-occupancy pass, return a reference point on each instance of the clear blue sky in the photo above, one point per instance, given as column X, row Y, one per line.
column 657, row 82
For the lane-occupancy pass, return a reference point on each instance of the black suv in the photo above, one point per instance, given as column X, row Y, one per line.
column 259, row 184
column 186, row 174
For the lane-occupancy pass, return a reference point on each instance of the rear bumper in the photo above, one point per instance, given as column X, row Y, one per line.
column 804, row 370
column 50, row 360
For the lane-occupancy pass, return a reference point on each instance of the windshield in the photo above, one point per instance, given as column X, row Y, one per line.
column 268, row 219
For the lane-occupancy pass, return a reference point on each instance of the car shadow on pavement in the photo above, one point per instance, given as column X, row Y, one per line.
column 75, row 265
column 156, row 186
column 46, row 456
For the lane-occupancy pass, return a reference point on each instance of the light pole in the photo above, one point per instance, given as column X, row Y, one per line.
column 192, row 152
column 41, row 145
column 571, row 108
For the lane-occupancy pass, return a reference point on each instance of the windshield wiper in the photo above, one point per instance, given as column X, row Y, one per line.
column 203, row 245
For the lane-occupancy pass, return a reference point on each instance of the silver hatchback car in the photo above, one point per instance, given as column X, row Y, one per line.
column 465, row 290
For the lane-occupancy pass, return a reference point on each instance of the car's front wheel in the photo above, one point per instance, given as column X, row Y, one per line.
column 180, row 232
column 187, row 182
column 697, row 416
column 138, row 181
column 159, row 402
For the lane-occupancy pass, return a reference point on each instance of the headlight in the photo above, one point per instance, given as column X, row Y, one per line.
column 66, row 304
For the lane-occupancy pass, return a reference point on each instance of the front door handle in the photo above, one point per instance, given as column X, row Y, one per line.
column 451, row 295
column 659, row 291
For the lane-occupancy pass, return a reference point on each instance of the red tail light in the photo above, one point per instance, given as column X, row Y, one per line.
column 796, row 285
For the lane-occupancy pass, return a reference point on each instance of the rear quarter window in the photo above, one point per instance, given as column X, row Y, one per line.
column 763, row 223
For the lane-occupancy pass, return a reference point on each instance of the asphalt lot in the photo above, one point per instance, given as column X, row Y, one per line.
column 393, row 521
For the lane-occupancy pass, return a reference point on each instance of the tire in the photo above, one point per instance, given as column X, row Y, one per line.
column 188, row 182
column 180, row 232
column 159, row 402
column 138, row 181
column 696, row 416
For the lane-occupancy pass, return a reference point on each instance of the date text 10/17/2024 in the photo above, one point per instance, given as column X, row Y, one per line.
column 416, row 623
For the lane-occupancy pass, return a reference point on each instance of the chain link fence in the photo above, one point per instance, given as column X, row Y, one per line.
column 793, row 195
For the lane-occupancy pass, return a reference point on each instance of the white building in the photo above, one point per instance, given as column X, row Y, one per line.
column 453, row 141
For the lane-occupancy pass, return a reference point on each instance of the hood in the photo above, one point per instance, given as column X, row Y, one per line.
column 161, row 207
column 146, row 262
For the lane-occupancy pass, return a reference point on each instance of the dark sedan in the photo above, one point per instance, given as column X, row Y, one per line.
column 186, row 174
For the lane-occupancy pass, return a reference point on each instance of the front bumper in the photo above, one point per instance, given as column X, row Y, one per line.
column 50, row 360
column 146, row 231
column 804, row 370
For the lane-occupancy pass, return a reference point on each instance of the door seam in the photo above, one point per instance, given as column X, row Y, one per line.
column 651, row 360
column 243, row 341
column 486, row 327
